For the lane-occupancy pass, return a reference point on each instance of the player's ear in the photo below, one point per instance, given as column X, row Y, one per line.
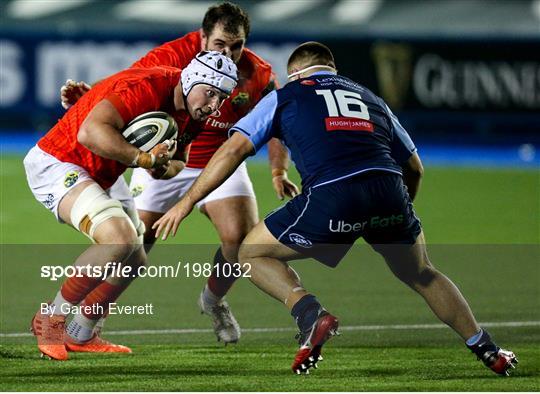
column 204, row 40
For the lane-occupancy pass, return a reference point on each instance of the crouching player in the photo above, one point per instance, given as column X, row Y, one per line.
column 358, row 165
column 72, row 169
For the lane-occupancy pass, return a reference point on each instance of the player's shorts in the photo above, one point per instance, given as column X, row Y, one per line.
column 157, row 195
column 51, row 179
column 325, row 221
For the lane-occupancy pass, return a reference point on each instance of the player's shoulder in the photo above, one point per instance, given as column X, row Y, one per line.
column 251, row 66
column 155, row 77
column 188, row 42
column 153, row 72
column 255, row 60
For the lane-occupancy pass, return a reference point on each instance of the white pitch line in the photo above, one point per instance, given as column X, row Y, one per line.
column 290, row 329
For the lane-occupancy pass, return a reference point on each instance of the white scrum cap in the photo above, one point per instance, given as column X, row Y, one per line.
column 210, row 68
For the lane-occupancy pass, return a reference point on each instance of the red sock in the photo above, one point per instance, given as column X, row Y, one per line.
column 74, row 289
column 222, row 277
column 102, row 295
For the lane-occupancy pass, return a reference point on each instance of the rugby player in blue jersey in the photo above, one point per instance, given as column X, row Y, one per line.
column 360, row 172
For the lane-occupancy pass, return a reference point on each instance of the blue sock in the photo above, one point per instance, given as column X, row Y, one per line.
column 481, row 344
column 306, row 311
column 475, row 338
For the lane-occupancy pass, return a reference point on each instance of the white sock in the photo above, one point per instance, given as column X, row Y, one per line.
column 99, row 324
column 210, row 298
column 81, row 328
column 60, row 305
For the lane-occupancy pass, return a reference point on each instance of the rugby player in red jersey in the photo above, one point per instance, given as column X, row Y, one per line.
column 72, row 169
column 232, row 207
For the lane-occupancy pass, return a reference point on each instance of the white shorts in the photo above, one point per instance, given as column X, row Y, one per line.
column 50, row 179
column 156, row 195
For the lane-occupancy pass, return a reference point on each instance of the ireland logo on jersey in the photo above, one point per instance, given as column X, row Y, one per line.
column 71, row 178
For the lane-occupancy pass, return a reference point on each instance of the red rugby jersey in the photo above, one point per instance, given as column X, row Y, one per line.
column 133, row 92
column 255, row 79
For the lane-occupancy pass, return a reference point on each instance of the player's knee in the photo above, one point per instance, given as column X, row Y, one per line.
column 418, row 278
column 119, row 236
column 138, row 259
column 103, row 219
column 138, row 224
column 148, row 219
column 425, row 277
column 245, row 253
column 118, row 231
column 233, row 237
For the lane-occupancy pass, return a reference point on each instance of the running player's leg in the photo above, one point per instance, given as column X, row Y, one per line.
column 232, row 209
column 402, row 245
column 153, row 197
column 81, row 337
column 298, row 230
column 232, row 217
column 410, row 263
column 84, row 330
column 88, row 209
column 266, row 259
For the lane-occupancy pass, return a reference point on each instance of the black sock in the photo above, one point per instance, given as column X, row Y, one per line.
column 484, row 346
column 306, row 311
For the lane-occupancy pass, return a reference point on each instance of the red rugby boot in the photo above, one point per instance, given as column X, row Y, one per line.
column 311, row 342
column 50, row 331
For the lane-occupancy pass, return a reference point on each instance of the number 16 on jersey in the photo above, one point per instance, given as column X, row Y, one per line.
column 340, row 114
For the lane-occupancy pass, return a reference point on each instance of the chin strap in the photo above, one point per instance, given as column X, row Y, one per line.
column 310, row 68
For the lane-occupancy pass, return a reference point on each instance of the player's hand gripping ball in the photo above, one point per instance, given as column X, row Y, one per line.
column 150, row 129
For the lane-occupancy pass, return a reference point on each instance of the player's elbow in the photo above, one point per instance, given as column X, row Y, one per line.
column 237, row 149
column 414, row 167
column 418, row 171
column 88, row 136
column 84, row 137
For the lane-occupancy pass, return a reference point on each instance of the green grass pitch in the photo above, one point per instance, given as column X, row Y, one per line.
column 483, row 230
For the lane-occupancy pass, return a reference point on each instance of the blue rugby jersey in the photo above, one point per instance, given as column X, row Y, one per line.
column 334, row 127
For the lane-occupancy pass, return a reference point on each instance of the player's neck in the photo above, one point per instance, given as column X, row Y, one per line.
column 310, row 70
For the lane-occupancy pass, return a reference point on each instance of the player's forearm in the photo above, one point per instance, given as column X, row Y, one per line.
column 173, row 169
column 106, row 141
column 224, row 162
column 413, row 171
column 277, row 155
column 412, row 180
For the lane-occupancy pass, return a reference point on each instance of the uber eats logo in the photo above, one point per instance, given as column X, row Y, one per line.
column 341, row 226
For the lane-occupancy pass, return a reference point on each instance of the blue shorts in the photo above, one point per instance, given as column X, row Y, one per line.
column 324, row 222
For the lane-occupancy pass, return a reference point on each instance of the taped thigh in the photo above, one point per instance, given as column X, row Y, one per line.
column 93, row 207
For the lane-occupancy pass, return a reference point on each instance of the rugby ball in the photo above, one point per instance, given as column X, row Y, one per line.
column 149, row 129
